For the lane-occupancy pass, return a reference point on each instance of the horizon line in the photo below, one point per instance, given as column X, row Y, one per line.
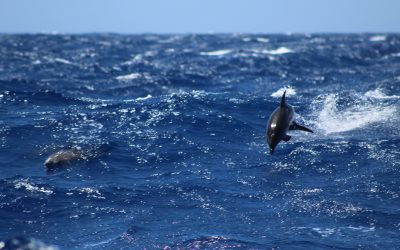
column 202, row 33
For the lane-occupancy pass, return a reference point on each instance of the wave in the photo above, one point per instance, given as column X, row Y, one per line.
column 185, row 159
column 131, row 76
column 335, row 118
column 216, row 52
column 262, row 40
column 379, row 38
column 21, row 242
column 278, row 51
column 379, row 94
column 214, row 242
column 62, row 60
column 31, row 187
column 40, row 97
column 144, row 98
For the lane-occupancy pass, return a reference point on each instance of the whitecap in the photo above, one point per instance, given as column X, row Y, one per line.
column 312, row 191
column 236, row 100
column 379, row 38
column 98, row 244
column 89, row 87
column 61, row 60
column 216, row 52
column 135, row 59
column 128, row 77
column 150, row 53
column 332, row 120
column 32, row 187
column 262, row 40
column 379, row 94
column 144, row 98
column 290, row 91
column 362, row 229
column 91, row 192
column 324, row 232
column 278, row 51
column 170, row 50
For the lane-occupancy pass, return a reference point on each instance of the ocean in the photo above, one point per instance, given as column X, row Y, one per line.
column 173, row 127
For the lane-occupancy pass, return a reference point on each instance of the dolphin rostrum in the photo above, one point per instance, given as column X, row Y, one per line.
column 280, row 121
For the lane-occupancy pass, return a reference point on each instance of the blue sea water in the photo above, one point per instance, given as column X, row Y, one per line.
column 175, row 130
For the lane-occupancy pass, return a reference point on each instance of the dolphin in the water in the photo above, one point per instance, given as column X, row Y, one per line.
column 63, row 157
column 280, row 121
column 66, row 157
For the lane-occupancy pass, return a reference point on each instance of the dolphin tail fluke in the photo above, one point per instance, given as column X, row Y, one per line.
column 296, row 126
column 283, row 100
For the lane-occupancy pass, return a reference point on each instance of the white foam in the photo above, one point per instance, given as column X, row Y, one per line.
column 332, row 120
column 135, row 59
column 324, row 232
column 290, row 91
column 216, row 53
column 363, row 229
column 278, row 51
column 91, row 192
column 97, row 244
column 262, row 40
column 128, row 77
column 377, row 38
column 61, row 60
column 312, row 191
column 31, row 187
column 144, row 98
column 378, row 94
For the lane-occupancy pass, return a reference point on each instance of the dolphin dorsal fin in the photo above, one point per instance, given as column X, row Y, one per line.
column 283, row 100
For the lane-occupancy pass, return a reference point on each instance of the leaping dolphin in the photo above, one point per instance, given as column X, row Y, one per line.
column 280, row 121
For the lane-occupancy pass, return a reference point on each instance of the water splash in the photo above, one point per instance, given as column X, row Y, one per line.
column 379, row 94
column 290, row 91
column 333, row 119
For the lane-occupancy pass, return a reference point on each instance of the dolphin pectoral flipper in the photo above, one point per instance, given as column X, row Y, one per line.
column 296, row 126
column 286, row 138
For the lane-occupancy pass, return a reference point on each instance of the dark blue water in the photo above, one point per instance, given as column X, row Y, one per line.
column 175, row 127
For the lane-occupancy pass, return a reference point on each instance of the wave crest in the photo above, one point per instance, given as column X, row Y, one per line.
column 335, row 117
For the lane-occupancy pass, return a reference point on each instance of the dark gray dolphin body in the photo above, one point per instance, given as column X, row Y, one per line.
column 70, row 156
column 63, row 157
column 280, row 121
